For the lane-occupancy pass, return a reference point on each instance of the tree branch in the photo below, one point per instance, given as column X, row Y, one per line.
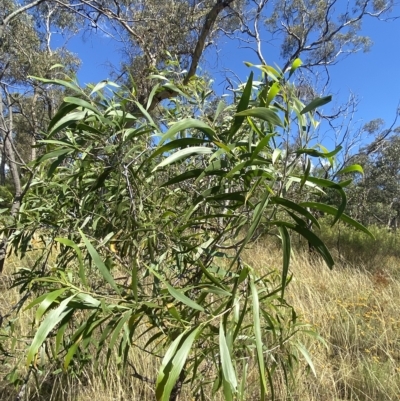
column 15, row 14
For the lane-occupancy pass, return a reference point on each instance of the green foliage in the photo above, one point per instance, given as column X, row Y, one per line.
column 151, row 232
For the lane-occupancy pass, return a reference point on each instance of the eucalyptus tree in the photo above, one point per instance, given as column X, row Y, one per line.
column 375, row 197
column 25, row 105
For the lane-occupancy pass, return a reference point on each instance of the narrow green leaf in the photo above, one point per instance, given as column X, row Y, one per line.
column 242, row 105
column 70, row 354
column 221, row 106
column 99, row 263
column 275, row 155
column 330, row 184
column 318, row 102
column 226, row 361
column 52, row 155
column 173, row 363
column 258, row 337
column 135, row 279
column 295, row 65
column 67, row 120
column 118, row 328
column 307, row 357
column 316, row 153
column 273, row 91
column 286, row 249
column 63, row 110
column 81, row 103
column 188, row 123
column 146, row 115
column 151, row 96
column 306, row 173
column 187, row 175
column 47, row 302
column 181, row 297
column 184, row 153
column 257, row 215
column 71, row 244
column 68, row 84
column 50, row 322
column 296, row 207
column 177, row 143
column 333, row 211
column 263, row 114
column 99, row 86
column 350, row 169
column 262, row 145
column 316, row 242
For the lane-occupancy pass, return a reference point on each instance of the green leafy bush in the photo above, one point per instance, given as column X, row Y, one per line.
column 147, row 234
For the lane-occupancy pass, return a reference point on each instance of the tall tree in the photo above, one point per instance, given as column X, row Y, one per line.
column 26, row 106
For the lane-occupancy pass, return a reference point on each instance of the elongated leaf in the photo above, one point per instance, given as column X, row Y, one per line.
column 226, row 361
column 333, row 211
column 184, row 153
column 261, row 145
column 330, row 184
column 99, row 263
column 317, row 243
column 306, row 173
column 99, row 86
column 67, row 120
column 147, row 115
column 296, row 207
column 275, row 155
column 221, row 106
column 286, row 249
column 118, row 328
column 318, row 102
column 354, row 168
column 257, row 215
column 188, row 123
column 177, row 143
column 317, row 153
column 68, row 242
column 52, row 155
column 152, row 93
column 295, row 65
column 307, row 357
column 258, row 337
column 47, row 302
column 81, row 103
column 70, row 354
column 51, row 321
column 273, row 91
column 263, row 114
column 242, row 105
column 64, row 109
column 173, row 363
column 181, row 297
column 67, row 84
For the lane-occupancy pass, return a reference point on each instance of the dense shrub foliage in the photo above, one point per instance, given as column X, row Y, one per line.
column 148, row 227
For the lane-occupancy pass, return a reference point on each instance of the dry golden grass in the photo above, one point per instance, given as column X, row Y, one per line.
column 356, row 311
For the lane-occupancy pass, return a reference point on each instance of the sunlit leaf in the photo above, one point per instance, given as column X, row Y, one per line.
column 226, row 361
column 318, row 102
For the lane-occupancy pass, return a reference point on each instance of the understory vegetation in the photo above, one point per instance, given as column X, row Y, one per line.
column 353, row 307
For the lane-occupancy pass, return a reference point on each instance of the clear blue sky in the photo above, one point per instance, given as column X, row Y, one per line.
column 374, row 76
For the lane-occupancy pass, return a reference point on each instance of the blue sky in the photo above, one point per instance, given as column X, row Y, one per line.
column 373, row 76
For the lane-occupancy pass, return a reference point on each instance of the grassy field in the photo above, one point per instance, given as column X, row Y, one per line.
column 355, row 308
